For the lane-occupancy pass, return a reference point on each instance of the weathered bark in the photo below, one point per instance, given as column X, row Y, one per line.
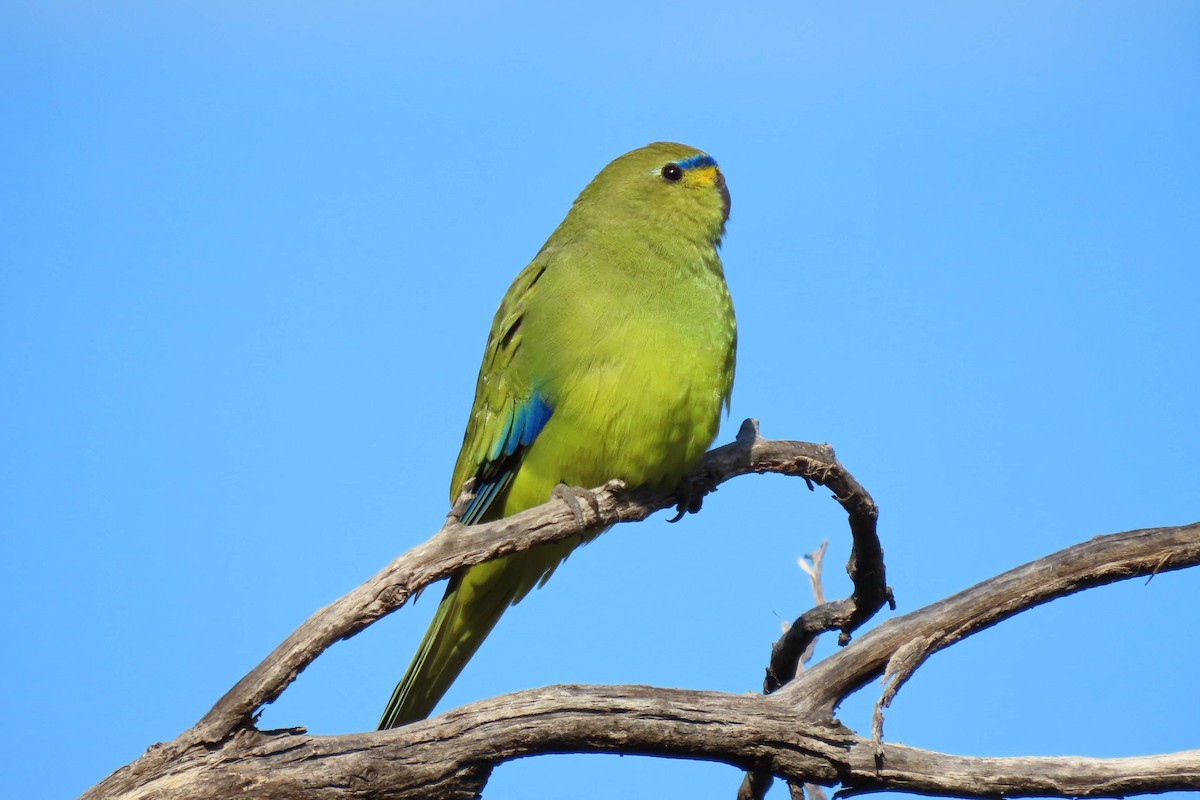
column 789, row 733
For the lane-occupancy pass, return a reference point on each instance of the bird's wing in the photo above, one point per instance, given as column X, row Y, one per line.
column 509, row 411
column 506, row 417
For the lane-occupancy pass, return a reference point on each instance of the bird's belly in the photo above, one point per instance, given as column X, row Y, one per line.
column 645, row 426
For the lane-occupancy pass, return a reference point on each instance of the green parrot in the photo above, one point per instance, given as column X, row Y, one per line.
column 610, row 356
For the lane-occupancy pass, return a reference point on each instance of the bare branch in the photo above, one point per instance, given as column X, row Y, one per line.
column 811, row 564
column 452, row 755
column 1098, row 561
column 790, row 734
column 756, row 784
column 908, row 769
column 866, row 570
column 456, row 546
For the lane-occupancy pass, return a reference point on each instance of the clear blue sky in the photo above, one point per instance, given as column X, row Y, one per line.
column 248, row 258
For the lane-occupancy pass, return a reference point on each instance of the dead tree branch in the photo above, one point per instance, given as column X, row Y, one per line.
column 756, row 784
column 790, row 733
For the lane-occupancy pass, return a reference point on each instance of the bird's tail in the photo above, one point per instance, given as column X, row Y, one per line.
column 474, row 601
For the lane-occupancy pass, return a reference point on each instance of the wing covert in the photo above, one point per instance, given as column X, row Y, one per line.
column 508, row 412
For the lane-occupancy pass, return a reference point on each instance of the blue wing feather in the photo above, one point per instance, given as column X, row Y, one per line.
column 492, row 478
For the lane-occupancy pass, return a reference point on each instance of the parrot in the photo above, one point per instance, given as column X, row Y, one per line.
column 611, row 356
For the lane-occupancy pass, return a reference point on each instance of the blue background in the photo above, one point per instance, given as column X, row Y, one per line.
column 250, row 253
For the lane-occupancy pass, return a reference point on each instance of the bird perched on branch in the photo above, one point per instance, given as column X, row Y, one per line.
column 610, row 357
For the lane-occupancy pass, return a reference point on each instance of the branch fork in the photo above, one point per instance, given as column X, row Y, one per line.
column 790, row 732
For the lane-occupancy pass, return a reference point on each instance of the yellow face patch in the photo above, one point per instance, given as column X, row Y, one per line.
column 702, row 177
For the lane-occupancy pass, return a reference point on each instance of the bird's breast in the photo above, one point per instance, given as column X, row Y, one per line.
column 641, row 406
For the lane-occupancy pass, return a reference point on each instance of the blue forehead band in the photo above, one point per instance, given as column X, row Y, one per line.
column 698, row 160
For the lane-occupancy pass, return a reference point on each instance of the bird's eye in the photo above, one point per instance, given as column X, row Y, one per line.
column 672, row 173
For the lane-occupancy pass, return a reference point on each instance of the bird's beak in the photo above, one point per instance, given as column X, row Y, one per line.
column 725, row 193
column 710, row 178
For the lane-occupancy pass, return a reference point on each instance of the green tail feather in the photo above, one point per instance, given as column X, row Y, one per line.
column 473, row 603
column 457, row 630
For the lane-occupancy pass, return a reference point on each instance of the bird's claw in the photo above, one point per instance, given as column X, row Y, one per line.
column 465, row 496
column 571, row 495
column 691, row 494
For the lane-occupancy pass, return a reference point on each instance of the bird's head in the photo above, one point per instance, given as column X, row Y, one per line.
column 666, row 184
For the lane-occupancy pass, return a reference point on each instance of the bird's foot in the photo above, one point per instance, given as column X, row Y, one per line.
column 690, row 493
column 571, row 495
column 696, row 484
column 460, row 504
